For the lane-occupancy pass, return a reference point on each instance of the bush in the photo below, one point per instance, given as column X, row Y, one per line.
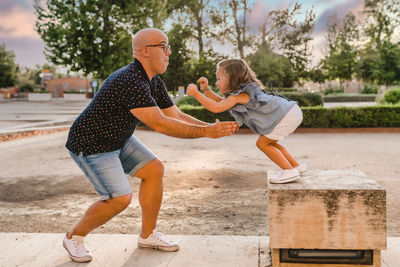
column 320, row 117
column 392, row 96
column 350, row 98
column 73, row 92
column 305, row 99
column 330, row 90
column 201, row 113
column 27, row 87
column 40, row 91
column 348, row 117
column 281, row 89
column 370, row 89
column 188, row 100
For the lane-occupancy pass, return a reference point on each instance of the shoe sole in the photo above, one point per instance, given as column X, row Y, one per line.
column 288, row 180
column 165, row 249
column 84, row 259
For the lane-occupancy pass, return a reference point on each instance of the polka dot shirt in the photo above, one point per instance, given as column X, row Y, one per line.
column 107, row 122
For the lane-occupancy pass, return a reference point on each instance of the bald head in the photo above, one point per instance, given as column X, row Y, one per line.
column 145, row 37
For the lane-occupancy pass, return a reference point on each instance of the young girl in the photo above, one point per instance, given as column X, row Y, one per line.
column 271, row 116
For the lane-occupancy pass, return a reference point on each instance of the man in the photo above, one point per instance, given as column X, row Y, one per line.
column 101, row 142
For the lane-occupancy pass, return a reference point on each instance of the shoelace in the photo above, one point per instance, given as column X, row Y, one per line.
column 160, row 237
column 80, row 247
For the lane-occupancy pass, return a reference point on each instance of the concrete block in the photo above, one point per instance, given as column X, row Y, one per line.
column 328, row 210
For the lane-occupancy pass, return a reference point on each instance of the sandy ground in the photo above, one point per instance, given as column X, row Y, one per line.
column 212, row 186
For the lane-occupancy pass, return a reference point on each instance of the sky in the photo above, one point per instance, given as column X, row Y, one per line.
column 17, row 22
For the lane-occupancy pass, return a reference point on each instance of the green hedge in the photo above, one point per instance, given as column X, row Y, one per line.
column 392, row 96
column 203, row 114
column 188, row 100
column 305, row 99
column 350, row 98
column 320, row 117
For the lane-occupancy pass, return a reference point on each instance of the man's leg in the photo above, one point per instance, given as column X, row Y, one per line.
column 99, row 213
column 150, row 194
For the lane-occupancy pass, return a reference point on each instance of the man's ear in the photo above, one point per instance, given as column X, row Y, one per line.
column 145, row 52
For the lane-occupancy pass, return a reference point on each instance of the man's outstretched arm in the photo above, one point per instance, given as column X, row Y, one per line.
column 176, row 113
column 155, row 119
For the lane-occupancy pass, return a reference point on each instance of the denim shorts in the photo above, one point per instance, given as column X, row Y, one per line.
column 107, row 171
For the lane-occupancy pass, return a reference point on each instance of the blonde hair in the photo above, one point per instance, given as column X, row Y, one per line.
column 237, row 72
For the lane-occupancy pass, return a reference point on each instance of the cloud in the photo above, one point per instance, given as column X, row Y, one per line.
column 354, row 6
column 28, row 51
column 7, row 5
column 17, row 22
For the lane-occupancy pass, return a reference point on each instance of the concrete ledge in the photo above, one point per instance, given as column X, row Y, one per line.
column 336, row 209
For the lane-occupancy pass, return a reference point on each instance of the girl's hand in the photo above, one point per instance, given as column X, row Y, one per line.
column 203, row 83
column 192, row 89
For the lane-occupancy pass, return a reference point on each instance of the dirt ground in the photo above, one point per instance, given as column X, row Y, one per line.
column 211, row 186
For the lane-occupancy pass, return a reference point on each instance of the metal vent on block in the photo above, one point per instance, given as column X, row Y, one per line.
column 327, row 256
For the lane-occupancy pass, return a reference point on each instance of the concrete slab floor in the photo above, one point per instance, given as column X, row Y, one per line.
column 117, row 250
column 23, row 249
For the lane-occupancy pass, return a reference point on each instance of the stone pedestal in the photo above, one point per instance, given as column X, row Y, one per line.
column 331, row 210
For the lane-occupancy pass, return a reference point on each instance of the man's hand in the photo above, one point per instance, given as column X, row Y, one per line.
column 220, row 129
column 203, row 83
column 192, row 90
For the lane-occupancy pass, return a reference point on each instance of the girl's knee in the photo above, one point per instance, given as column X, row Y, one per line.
column 264, row 141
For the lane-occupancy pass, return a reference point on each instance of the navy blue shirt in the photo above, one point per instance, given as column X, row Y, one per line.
column 107, row 122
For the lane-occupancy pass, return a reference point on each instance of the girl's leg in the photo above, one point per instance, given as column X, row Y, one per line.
column 287, row 155
column 267, row 146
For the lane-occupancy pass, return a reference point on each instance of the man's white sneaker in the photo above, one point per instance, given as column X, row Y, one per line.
column 76, row 249
column 301, row 168
column 157, row 241
column 285, row 176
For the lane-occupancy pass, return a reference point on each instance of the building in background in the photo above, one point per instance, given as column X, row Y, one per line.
column 57, row 87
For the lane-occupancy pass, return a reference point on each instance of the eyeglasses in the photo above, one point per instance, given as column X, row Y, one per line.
column 165, row 47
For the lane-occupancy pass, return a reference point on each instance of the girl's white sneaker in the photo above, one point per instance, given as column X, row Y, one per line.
column 301, row 168
column 285, row 176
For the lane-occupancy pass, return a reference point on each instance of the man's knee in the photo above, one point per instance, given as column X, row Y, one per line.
column 120, row 203
column 153, row 169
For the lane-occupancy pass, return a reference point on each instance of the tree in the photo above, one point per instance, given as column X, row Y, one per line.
column 382, row 18
column 234, row 21
column 179, row 68
column 89, row 36
column 8, row 68
column 340, row 60
column 293, row 36
column 271, row 69
column 387, row 69
column 195, row 10
column 382, row 58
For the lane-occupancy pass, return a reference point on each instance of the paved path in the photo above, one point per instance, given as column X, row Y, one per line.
column 17, row 116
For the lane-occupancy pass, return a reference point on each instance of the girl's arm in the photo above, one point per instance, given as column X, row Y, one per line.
column 207, row 91
column 211, row 94
column 214, row 106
